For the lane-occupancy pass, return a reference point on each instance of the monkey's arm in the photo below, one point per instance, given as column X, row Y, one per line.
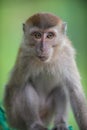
column 13, row 86
column 21, row 101
column 13, row 98
column 77, row 96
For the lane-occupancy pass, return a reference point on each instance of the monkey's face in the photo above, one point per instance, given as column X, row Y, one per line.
column 44, row 42
column 44, row 34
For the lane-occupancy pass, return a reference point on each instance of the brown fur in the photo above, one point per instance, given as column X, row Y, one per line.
column 38, row 20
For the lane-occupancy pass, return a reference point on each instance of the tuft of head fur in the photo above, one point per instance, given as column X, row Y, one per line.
column 43, row 20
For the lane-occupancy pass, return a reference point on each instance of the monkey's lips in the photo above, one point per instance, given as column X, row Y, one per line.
column 43, row 58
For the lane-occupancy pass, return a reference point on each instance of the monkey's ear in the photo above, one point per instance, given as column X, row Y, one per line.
column 23, row 27
column 64, row 27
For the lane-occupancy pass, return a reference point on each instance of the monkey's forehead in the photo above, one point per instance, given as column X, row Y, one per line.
column 44, row 20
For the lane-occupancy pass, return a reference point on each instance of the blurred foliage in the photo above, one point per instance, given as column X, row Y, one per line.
column 14, row 12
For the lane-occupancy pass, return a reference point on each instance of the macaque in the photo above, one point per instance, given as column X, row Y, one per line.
column 45, row 78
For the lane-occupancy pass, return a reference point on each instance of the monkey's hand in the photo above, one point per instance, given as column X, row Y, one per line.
column 61, row 126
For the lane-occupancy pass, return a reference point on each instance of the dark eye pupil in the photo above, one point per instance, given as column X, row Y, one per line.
column 37, row 35
column 50, row 35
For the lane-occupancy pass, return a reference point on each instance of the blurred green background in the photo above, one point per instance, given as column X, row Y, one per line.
column 14, row 12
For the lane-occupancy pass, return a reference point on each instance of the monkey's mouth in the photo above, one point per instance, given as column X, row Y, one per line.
column 43, row 58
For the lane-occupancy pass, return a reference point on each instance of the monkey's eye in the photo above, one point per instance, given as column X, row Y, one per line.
column 36, row 35
column 50, row 35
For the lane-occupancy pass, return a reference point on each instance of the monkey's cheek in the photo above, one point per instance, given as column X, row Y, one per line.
column 50, row 55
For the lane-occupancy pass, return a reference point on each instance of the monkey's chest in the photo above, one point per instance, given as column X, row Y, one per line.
column 44, row 83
